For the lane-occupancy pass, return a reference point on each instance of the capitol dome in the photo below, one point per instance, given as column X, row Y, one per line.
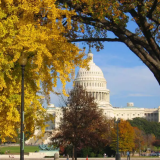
column 94, row 82
column 94, row 70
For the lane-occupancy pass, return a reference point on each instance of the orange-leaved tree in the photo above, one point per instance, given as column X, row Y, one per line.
column 126, row 136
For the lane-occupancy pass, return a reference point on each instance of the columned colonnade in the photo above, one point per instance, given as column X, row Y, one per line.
column 99, row 95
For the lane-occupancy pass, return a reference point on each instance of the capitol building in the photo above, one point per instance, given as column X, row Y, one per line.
column 96, row 85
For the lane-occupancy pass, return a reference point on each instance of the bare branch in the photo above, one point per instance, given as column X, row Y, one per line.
column 96, row 39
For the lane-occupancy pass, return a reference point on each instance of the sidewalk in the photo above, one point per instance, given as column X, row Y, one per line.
column 17, row 157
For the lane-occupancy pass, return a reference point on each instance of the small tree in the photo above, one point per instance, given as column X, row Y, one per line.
column 83, row 123
column 126, row 136
column 139, row 139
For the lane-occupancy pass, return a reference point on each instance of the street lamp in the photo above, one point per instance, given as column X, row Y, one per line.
column 118, row 156
column 22, row 62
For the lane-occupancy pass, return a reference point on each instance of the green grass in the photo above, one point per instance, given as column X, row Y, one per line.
column 16, row 149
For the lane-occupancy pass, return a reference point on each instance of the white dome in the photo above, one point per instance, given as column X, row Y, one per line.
column 94, row 72
column 94, row 82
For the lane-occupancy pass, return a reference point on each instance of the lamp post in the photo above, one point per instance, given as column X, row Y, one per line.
column 22, row 62
column 118, row 156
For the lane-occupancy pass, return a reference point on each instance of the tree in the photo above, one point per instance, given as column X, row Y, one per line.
column 24, row 31
column 126, row 137
column 83, row 123
column 139, row 139
column 149, row 139
column 95, row 18
column 156, row 143
column 146, row 126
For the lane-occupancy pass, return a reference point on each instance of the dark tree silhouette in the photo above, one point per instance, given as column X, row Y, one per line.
column 83, row 123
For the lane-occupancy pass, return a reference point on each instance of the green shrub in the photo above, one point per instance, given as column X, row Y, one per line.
column 99, row 155
column 1, row 152
column 92, row 154
column 86, row 151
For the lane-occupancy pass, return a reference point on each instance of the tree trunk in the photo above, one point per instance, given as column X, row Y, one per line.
column 73, row 153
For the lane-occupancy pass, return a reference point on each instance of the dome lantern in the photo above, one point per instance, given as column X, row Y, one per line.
column 90, row 54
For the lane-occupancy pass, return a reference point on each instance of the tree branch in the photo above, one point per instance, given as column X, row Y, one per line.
column 150, row 13
column 143, row 55
column 96, row 39
column 152, row 9
column 144, row 25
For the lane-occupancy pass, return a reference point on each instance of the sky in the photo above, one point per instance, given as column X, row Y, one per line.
column 128, row 79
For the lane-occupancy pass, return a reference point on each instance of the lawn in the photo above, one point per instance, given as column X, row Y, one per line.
column 16, row 149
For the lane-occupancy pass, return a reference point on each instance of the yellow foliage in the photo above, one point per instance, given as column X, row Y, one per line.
column 25, row 29
column 126, row 136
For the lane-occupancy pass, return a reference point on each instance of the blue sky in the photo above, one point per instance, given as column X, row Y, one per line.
column 128, row 79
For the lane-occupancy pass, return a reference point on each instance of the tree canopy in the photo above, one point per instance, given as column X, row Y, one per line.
column 146, row 126
column 94, row 19
column 24, row 30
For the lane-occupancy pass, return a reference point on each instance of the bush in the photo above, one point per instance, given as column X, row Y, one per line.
column 92, row 154
column 99, row 155
column 1, row 152
column 86, row 151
